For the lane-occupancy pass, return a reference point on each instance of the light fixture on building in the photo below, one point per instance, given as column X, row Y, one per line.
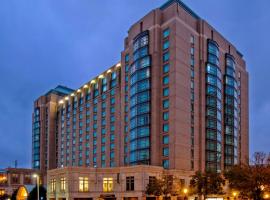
column 100, row 76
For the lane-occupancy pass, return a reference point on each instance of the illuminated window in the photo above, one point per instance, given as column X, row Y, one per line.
column 63, row 184
column 83, row 184
column 107, row 184
column 2, row 192
column 15, row 178
column 53, row 184
column 3, row 179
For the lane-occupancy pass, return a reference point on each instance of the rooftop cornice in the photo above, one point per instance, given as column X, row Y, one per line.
column 180, row 3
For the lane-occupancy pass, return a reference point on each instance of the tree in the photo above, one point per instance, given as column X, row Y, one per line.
column 251, row 180
column 42, row 193
column 14, row 195
column 4, row 197
column 166, row 186
column 207, row 183
column 154, row 187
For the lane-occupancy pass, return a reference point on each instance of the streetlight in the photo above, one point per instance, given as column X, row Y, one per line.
column 185, row 192
column 266, row 196
column 37, row 177
column 234, row 195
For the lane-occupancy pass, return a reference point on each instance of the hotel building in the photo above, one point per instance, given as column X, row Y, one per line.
column 177, row 102
column 44, row 130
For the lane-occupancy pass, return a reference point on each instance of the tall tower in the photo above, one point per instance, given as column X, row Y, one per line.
column 177, row 99
column 188, row 93
column 44, row 136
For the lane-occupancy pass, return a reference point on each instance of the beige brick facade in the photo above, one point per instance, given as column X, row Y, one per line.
column 96, row 187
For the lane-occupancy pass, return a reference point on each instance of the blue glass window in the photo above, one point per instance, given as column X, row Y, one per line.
column 166, row 116
column 112, row 155
column 112, row 100
column 113, row 76
column 127, row 58
column 166, row 104
column 103, row 148
column 166, row 45
column 166, row 139
column 166, row 68
column 166, row 128
column 166, row 80
column 213, row 49
column 165, row 152
column 213, row 59
column 166, row 92
column 166, row 56
column 112, row 137
column 166, row 33
column 165, row 164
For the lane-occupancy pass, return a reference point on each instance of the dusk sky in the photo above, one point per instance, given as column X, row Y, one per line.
column 46, row 43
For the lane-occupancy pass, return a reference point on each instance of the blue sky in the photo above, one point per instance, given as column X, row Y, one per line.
column 47, row 42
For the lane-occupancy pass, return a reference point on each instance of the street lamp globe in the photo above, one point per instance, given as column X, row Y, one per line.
column 35, row 175
column 185, row 191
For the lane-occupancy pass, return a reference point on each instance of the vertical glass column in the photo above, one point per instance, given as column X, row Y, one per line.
column 36, row 140
column 213, row 109
column 140, row 86
column 230, row 114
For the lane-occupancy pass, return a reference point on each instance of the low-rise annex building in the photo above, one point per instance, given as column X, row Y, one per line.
column 126, row 183
column 11, row 179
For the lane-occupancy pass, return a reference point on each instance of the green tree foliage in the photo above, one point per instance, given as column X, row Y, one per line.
column 253, row 180
column 166, row 186
column 42, row 194
column 207, row 183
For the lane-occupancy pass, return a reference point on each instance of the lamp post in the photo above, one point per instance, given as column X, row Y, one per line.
column 37, row 177
column 234, row 195
column 185, row 192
